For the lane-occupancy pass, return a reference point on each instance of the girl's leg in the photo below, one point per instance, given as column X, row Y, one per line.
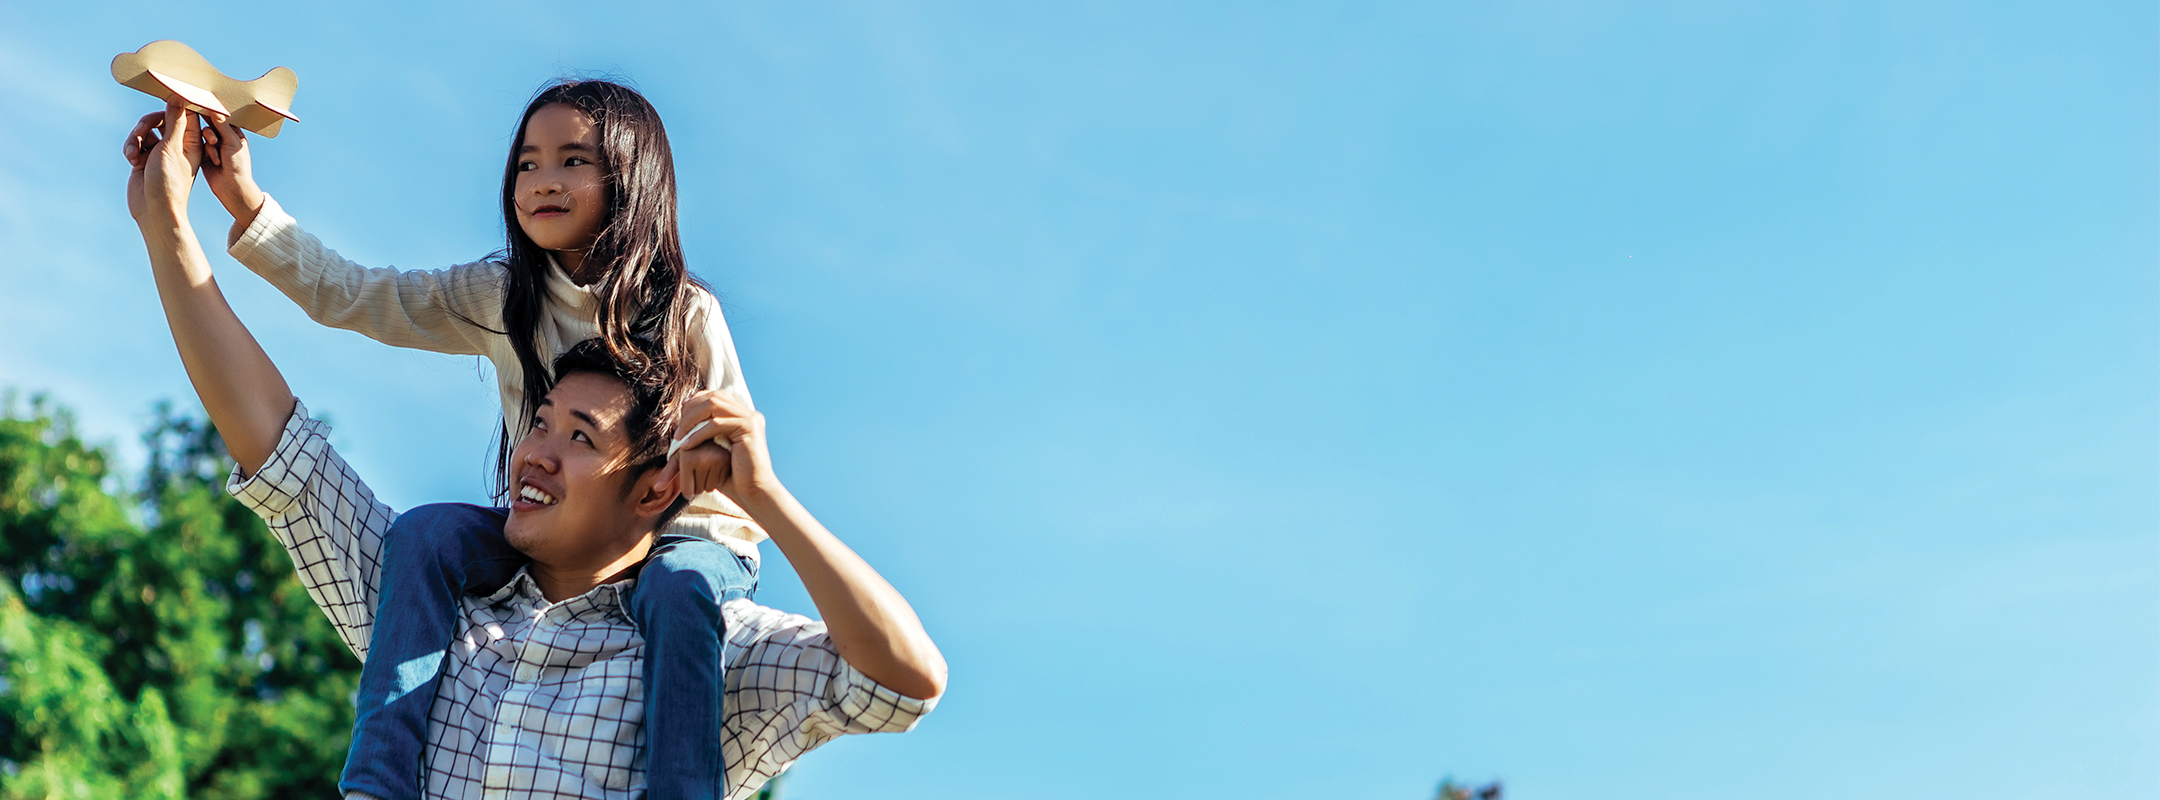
column 677, row 607
column 431, row 556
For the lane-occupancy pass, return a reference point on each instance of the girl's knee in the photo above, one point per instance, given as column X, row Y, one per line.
column 453, row 532
column 705, row 572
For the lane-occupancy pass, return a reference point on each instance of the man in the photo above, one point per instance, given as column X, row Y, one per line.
column 539, row 696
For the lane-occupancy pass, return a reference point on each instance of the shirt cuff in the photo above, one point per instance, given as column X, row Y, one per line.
column 866, row 706
column 274, row 488
column 271, row 223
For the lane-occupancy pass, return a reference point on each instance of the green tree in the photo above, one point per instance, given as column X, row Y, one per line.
column 1450, row 790
column 154, row 641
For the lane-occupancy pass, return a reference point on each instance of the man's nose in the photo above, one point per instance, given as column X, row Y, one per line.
column 539, row 454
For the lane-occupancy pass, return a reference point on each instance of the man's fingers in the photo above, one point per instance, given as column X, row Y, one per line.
column 137, row 143
column 175, row 116
column 708, row 404
column 719, row 431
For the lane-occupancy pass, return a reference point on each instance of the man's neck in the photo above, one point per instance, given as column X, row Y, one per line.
column 562, row 582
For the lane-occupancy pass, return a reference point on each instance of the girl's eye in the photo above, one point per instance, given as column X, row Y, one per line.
column 580, row 436
column 527, row 166
column 575, row 161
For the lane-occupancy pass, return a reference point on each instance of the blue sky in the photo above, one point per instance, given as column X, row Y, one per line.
column 1630, row 400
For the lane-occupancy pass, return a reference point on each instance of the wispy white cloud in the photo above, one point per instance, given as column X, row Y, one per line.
column 58, row 91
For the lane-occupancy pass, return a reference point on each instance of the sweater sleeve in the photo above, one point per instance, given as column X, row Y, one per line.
column 453, row 310
column 712, row 514
column 715, row 349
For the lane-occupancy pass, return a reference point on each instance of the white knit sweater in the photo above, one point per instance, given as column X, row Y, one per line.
column 428, row 310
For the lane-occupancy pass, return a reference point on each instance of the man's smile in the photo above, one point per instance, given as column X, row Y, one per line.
column 530, row 497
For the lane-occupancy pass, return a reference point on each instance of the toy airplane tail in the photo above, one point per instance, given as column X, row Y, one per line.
column 169, row 71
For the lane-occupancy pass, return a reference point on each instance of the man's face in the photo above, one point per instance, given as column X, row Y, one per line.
column 573, row 501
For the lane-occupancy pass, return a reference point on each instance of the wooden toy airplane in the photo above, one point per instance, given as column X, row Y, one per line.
column 169, row 70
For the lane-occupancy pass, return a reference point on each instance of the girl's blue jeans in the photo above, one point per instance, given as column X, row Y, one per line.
column 436, row 553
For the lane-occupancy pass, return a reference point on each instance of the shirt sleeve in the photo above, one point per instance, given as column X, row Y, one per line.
column 328, row 520
column 789, row 691
column 447, row 311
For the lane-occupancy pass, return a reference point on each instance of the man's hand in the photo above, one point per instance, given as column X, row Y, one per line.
column 165, row 150
column 727, row 453
column 871, row 625
column 243, row 392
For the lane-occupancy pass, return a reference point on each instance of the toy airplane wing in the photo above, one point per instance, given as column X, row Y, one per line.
column 169, row 71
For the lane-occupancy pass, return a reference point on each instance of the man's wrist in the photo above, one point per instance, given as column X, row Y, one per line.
column 767, row 505
column 163, row 222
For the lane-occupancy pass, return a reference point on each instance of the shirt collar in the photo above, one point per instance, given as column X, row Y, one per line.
column 607, row 598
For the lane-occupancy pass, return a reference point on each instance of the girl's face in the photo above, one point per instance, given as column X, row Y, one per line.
column 561, row 191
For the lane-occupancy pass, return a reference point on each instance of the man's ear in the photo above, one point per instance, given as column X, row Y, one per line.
column 656, row 490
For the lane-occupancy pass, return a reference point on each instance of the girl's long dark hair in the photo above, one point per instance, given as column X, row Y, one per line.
column 634, row 268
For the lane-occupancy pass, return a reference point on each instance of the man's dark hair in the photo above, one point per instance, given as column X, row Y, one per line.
column 653, row 400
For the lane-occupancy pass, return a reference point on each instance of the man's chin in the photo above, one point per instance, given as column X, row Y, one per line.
column 522, row 532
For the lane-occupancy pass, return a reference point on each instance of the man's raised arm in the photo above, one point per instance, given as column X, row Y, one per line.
column 870, row 624
column 243, row 392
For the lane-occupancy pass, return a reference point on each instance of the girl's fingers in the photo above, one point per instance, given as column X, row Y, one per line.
column 672, row 473
column 211, row 141
column 228, row 132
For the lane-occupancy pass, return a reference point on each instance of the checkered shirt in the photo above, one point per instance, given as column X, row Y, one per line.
column 546, row 700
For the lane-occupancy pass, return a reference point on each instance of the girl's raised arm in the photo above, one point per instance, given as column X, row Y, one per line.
column 444, row 311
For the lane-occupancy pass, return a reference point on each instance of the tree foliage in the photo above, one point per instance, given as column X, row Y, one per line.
column 1450, row 790
column 154, row 641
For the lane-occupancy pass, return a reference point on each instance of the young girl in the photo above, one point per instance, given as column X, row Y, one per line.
column 588, row 202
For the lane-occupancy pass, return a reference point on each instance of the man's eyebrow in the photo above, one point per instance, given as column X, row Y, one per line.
column 586, row 417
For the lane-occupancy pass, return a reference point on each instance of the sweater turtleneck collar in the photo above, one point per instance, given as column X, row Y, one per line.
column 563, row 291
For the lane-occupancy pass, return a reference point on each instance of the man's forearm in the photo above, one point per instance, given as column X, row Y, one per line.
column 871, row 625
column 244, row 393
